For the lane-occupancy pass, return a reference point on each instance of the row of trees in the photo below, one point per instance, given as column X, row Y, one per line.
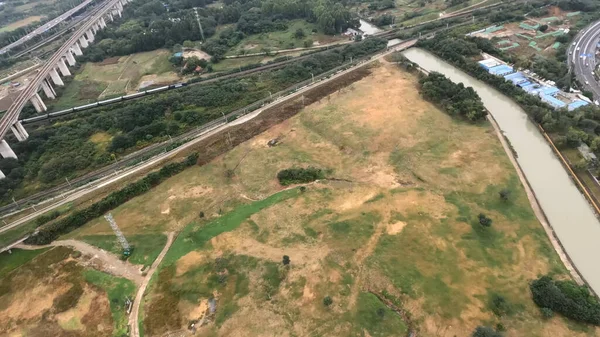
column 455, row 99
column 50, row 232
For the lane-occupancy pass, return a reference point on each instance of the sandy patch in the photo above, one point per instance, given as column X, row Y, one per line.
column 189, row 261
column 242, row 245
column 43, row 296
column 194, row 52
column 395, row 228
column 199, row 310
column 71, row 319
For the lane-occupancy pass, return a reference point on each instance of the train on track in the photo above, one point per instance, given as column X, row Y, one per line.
column 103, row 103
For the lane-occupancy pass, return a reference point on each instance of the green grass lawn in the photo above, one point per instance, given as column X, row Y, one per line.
column 280, row 39
column 17, row 233
column 146, row 247
column 10, row 262
column 117, row 289
column 228, row 64
column 195, row 236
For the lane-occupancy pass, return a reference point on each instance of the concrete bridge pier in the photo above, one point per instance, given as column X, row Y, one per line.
column 56, row 77
column 19, row 131
column 62, row 66
column 84, row 43
column 90, row 36
column 102, row 22
column 6, row 151
column 110, row 16
column 70, row 58
column 95, row 28
column 48, row 90
column 38, row 104
column 120, row 7
column 76, row 49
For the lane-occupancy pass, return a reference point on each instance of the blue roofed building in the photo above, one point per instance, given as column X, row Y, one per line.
column 501, row 70
column 550, row 91
column 532, row 89
column 516, row 78
column 577, row 104
column 556, row 103
column 524, row 84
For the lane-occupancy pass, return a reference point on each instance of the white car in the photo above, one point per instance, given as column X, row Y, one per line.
column 578, row 48
column 586, row 82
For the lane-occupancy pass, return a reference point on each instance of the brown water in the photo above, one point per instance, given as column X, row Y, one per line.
column 567, row 210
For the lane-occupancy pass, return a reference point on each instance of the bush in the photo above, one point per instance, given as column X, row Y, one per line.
column 299, row 175
column 484, row 220
column 499, row 305
column 566, row 298
column 327, row 301
column 547, row 312
column 504, row 194
column 286, row 260
column 485, row 331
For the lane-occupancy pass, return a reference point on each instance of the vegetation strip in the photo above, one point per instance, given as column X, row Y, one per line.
column 50, row 232
column 195, row 236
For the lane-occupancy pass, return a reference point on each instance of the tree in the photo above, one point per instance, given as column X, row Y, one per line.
column 188, row 44
column 547, row 312
column 504, row 194
column 484, row 220
column 543, row 28
column 299, row 34
column 327, row 301
column 307, row 43
column 485, row 331
column 286, row 260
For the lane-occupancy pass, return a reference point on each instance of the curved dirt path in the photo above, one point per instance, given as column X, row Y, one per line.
column 135, row 311
column 100, row 258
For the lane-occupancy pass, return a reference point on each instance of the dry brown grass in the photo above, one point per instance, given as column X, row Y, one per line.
column 401, row 220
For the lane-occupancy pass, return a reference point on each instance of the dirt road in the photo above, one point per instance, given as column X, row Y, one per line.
column 135, row 311
column 100, row 259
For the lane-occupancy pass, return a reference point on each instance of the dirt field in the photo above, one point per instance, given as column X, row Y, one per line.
column 118, row 76
column 397, row 218
column 53, row 294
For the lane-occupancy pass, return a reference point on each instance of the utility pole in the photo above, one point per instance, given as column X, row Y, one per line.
column 118, row 234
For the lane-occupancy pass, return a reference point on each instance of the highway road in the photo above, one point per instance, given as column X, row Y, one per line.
column 582, row 57
column 45, row 27
column 214, row 127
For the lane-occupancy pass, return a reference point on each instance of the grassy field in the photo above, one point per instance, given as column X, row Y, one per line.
column 18, row 257
column 117, row 289
column 117, row 76
column 20, row 23
column 396, row 219
column 146, row 247
column 52, row 294
column 282, row 39
column 400, row 219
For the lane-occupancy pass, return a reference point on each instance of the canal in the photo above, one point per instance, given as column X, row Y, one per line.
column 566, row 208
